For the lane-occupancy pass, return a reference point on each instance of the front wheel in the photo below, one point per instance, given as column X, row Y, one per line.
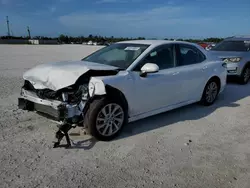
column 245, row 75
column 210, row 92
column 105, row 118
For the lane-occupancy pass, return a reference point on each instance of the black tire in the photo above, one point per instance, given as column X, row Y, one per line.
column 204, row 100
column 244, row 77
column 90, row 120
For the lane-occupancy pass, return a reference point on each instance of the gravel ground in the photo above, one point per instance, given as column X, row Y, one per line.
column 194, row 146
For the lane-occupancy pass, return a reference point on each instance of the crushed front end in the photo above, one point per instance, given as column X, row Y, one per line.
column 64, row 106
column 66, row 103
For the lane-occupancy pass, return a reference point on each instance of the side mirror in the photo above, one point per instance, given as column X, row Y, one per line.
column 149, row 68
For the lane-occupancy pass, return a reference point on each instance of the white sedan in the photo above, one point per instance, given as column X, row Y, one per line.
column 121, row 83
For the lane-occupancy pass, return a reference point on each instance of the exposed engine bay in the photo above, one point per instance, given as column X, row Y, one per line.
column 72, row 94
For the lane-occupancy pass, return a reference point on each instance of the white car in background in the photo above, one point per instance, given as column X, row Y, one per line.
column 210, row 46
column 121, row 83
column 90, row 43
column 235, row 52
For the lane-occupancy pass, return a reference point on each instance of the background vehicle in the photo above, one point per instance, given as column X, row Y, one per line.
column 121, row 83
column 210, row 46
column 235, row 51
column 203, row 44
column 90, row 43
column 207, row 45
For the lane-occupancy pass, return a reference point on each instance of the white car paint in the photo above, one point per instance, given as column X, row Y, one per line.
column 150, row 67
column 162, row 91
column 58, row 75
column 157, row 92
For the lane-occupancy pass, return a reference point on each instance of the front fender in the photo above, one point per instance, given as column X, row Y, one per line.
column 123, row 82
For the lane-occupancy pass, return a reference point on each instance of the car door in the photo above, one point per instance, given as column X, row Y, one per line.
column 191, row 72
column 156, row 90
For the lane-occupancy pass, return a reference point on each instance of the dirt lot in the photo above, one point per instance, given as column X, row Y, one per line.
column 194, row 146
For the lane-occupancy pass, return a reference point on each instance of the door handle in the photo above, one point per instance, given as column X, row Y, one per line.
column 175, row 73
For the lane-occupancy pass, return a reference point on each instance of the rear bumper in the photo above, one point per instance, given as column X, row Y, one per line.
column 52, row 109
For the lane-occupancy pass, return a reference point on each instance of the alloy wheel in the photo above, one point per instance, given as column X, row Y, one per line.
column 246, row 74
column 211, row 92
column 110, row 119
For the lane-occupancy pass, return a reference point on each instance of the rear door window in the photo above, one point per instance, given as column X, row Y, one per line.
column 188, row 55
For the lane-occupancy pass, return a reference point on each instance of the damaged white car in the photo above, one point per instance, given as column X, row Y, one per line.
column 121, row 83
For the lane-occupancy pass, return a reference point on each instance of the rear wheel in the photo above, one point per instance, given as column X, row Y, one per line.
column 210, row 92
column 105, row 118
column 245, row 75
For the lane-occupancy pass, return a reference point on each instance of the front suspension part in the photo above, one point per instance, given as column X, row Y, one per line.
column 63, row 131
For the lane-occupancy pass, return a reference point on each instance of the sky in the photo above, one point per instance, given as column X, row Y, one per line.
column 127, row 18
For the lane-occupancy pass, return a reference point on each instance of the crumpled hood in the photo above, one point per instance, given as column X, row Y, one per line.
column 59, row 75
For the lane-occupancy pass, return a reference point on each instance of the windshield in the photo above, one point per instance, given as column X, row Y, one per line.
column 236, row 46
column 120, row 55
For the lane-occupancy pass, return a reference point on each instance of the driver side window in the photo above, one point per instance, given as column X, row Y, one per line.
column 162, row 56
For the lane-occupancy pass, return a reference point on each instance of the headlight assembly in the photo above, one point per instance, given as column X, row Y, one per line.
column 76, row 95
column 232, row 60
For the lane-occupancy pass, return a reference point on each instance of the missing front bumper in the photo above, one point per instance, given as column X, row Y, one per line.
column 58, row 114
column 52, row 109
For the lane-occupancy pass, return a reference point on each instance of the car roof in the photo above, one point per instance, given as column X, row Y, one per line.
column 239, row 38
column 154, row 42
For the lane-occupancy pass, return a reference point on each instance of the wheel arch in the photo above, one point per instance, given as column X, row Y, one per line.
column 116, row 93
column 109, row 92
column 217, row 79
column 214, row 77
column 246, row 65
